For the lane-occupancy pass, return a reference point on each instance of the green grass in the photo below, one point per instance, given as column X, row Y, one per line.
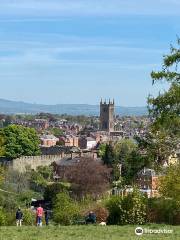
column 84, row 233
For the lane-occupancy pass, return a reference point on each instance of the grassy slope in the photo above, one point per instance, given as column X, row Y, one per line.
column 83, row 233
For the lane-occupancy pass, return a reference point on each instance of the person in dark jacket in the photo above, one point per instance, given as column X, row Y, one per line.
column 47, row 215
column 19, row 217
column 91, row 218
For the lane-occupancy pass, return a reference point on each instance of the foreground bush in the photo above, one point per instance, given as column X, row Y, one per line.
column 65, row 210
column 11, row 218
column 161, row 210
column 3, row 219
column 29, row 218
column 128, row 210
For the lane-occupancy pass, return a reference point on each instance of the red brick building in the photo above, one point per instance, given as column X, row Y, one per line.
column 148, row 182
column 69, row 141
column 48, row 140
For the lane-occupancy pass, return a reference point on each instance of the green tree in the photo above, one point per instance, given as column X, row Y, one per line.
column 2, row 141
column 46, row 172
column 19, row 141
column 170, row 183
column 41, row 178
column 38, row 182
column 56, row 131
column 102, row 150
column 25, row 198
column 165, row 108
column 108, row 155
column 123, row 149
column 65, row 209
column 134, row 162
column 126, row 154
column 52, row 190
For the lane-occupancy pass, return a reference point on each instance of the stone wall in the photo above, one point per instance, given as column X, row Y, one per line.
column 32, row 162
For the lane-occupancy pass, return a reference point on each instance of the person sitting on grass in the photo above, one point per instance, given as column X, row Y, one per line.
column 91, row 218
column 19, row 217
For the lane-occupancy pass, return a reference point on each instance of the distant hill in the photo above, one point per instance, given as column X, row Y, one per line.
column 14, row 107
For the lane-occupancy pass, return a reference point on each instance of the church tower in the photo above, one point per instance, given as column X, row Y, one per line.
column 107, row 116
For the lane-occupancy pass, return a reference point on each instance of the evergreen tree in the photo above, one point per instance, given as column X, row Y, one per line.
column 108, row 156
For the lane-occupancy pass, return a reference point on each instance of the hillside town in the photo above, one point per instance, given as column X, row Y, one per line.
column 89, row 120
column 54, row 130
column 63, row 142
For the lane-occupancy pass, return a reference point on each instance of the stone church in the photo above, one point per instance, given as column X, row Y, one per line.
column 107, row 116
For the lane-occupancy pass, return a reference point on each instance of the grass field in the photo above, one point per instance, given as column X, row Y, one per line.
column 85, row 233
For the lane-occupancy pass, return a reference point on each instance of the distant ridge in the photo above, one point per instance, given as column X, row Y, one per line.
column 15, row 107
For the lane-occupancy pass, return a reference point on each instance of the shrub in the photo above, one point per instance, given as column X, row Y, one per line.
column 29, row 217
column 65, row 209
column 11, row 218
column 128, row 210
column 9, row 201
column 161, row 210
column 115, row 212
column 98, row 208
column 3, row 219
column 101, row 213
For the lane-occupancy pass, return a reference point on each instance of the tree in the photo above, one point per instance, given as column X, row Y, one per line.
column 170, row 183
column 88, row 177
column 132, row 165
column 2, row 141
column 19, row 141
column 25, row 197
column 102, row 150
column 123, row 148
column 52, row 190
column 65, row 209
column 56, row 131
column 165, row 108
column 108, row 155
column 41, row 178
column 46, row 172
column 127, row 155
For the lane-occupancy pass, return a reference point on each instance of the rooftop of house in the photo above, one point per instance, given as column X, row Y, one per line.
column 147, row 172
column 90, row 139
column 54, row 150
column 68, row 161
column 48, row 137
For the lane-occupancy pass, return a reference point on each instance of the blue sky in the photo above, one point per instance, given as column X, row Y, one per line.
column 77, row 51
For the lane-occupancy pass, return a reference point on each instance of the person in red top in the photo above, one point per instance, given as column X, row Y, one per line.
column 39, row 215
